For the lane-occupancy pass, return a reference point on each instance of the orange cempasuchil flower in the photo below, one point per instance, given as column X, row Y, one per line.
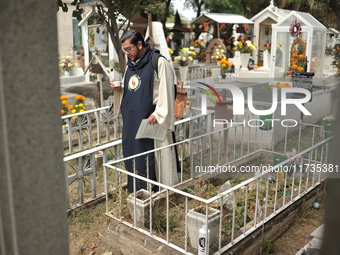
column 80, row 97
column 70, row 107
column 62, row 111
column 301, row 56
column 63, row 98
column 64, row 102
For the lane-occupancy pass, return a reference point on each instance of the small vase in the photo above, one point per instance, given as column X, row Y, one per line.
column 266, row 59
column 183, row 70
column 66, row 73
column 237, row 60
column 244, row 61
column 215, row 74
column 197, row 50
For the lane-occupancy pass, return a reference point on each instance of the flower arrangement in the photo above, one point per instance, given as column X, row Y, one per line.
column 185, row 56
column 66, row 63
column 203, row 56
column 77, row 107
column 336, row 59
column 244, row 45
column 218, row 54
column 225, row 64
column 64, row 109
column 328, row 51
column 268, row 47
column 196, row 44
column 280, row 85
column 298, row 59
column 199, row 44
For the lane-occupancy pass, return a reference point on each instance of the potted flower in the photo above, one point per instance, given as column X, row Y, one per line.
column 328, row 56
column 197, row 46
column 225, row 65
column 183, row 59
column 66, row 63
column 218, row 53
column 268, row 47
column 244, row 45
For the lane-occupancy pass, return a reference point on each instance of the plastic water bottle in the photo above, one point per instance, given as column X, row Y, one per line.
column 203, row 241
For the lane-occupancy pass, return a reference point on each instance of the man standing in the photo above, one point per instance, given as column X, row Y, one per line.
column 146, row 94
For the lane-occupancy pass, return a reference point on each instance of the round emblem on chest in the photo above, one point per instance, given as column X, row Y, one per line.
column 134, row 82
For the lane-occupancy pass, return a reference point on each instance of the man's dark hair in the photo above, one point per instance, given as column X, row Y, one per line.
column 134, row 37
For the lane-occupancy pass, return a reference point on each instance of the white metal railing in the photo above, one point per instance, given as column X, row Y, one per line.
column 255, row 196
column 89, row 128
column 84, row 168
column 92, row 128
column 203, row 73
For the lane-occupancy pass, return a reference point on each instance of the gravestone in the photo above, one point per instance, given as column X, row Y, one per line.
column 302, row 80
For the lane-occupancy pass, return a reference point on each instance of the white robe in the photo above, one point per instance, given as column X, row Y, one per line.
column 163, row 98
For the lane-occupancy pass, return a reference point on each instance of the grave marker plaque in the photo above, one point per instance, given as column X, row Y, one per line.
column 302, row 80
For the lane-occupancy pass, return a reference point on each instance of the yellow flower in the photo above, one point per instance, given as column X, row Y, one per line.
column 81, row 110
column 64, row 102
column 81, row 105
column 75, row 117
column 74, row 111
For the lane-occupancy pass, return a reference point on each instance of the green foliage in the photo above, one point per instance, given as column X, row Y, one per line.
column 83, row 216
column 268, row 246
column 239, row 220
column 204, row 190
column 336, row 58
column 160, row 222
column 224, row 6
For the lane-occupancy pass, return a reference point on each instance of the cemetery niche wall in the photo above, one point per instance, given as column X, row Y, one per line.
column 298, row 45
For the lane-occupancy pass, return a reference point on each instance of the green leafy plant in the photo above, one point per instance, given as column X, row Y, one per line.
column 160, row 222
column 269, row 245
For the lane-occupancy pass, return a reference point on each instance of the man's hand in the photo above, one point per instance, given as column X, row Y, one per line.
column 114, row 87
column 152, row 120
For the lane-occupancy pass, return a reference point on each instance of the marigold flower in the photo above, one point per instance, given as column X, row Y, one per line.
column 301, row 57
column 64, row 102
column 70, row 107
column 62, row 111
column 74, row 111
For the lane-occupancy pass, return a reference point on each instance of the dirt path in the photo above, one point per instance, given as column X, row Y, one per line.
column 299, row 234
